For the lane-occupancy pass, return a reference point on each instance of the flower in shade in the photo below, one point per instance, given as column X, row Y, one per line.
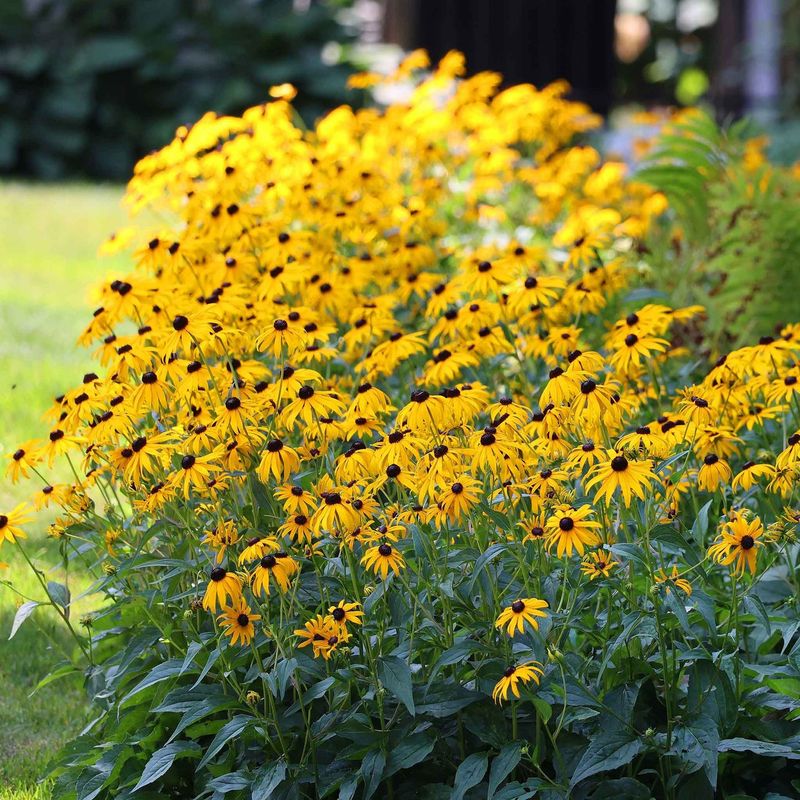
column 525, row 673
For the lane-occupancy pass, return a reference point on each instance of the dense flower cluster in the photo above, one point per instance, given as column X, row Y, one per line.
column 392, row 360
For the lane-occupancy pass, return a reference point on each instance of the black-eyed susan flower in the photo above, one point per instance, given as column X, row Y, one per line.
column 713, row 472
column 455, row 500
column 280, row 339
column 634, row 350
column 514, row 676
column 344, row 614
column 571, row 530
column 278, row 459
column 630, row 477
column 674, row 578
column 738, row 543
column 222, row 586
column 222, row 537
column 295, row 499
column 273, row 567
column 298, row 528
column 320, row 632
column 237, row 622
column 10, row 523
column 597, row 564
column 520, row 613
column 749, row 474
column 311, row 403
column 194, row 472
column 382, row 558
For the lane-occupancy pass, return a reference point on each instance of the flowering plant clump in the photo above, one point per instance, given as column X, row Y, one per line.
column 393, row 482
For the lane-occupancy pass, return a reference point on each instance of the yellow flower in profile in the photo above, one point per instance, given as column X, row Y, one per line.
column 223, row 585
column 381, row 558
column 713, row 473
column 738, row 544
column 749, row 474
column 222, row 537
column 570, row 530
column 10, row 523
column 673, row 579
column 277, row 567
column 525, row 673
column 514, row 617
column 237, row 621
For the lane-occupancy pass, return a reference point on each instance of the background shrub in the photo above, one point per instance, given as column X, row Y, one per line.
column 88, row 87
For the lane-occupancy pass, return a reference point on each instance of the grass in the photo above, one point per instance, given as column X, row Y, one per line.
column 47, row 264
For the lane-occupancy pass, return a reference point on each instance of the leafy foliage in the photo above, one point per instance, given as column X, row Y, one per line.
column 88, row 88
column 738, row 212
column 560, row 589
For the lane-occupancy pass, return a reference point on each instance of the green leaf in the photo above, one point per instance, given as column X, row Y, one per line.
column 161, row 672
column 543, row 709
column 696, row 745
column 710, row 693
column 227, row 732
column 503, row 764
column 372, row 771
column 630, row 552
column 607, row 751
column 229, row 782
column 755, row 607
column 700, row 525
column 621, row 789
column 105, row 53
column 56, row 674
column 267, row 780
column 411, row 750
column 469, row 773
column 59, row 594
column 347, row 790
column 395, row 675
column 775, row 749
column 23, row 612
column 164, row 758
column 312, row 693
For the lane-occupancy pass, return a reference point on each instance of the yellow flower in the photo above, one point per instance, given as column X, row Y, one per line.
column 570, row 530
column 381, row 558
column 630, row 477
column 525, row 673
column 673, row 579
column 738, row 544
column 10, row 523
column 237, row 621
column 223, row 585
column 514, row 617
column 597, row 563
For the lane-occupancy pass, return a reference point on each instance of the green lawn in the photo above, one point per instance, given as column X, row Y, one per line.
column 48, row 265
